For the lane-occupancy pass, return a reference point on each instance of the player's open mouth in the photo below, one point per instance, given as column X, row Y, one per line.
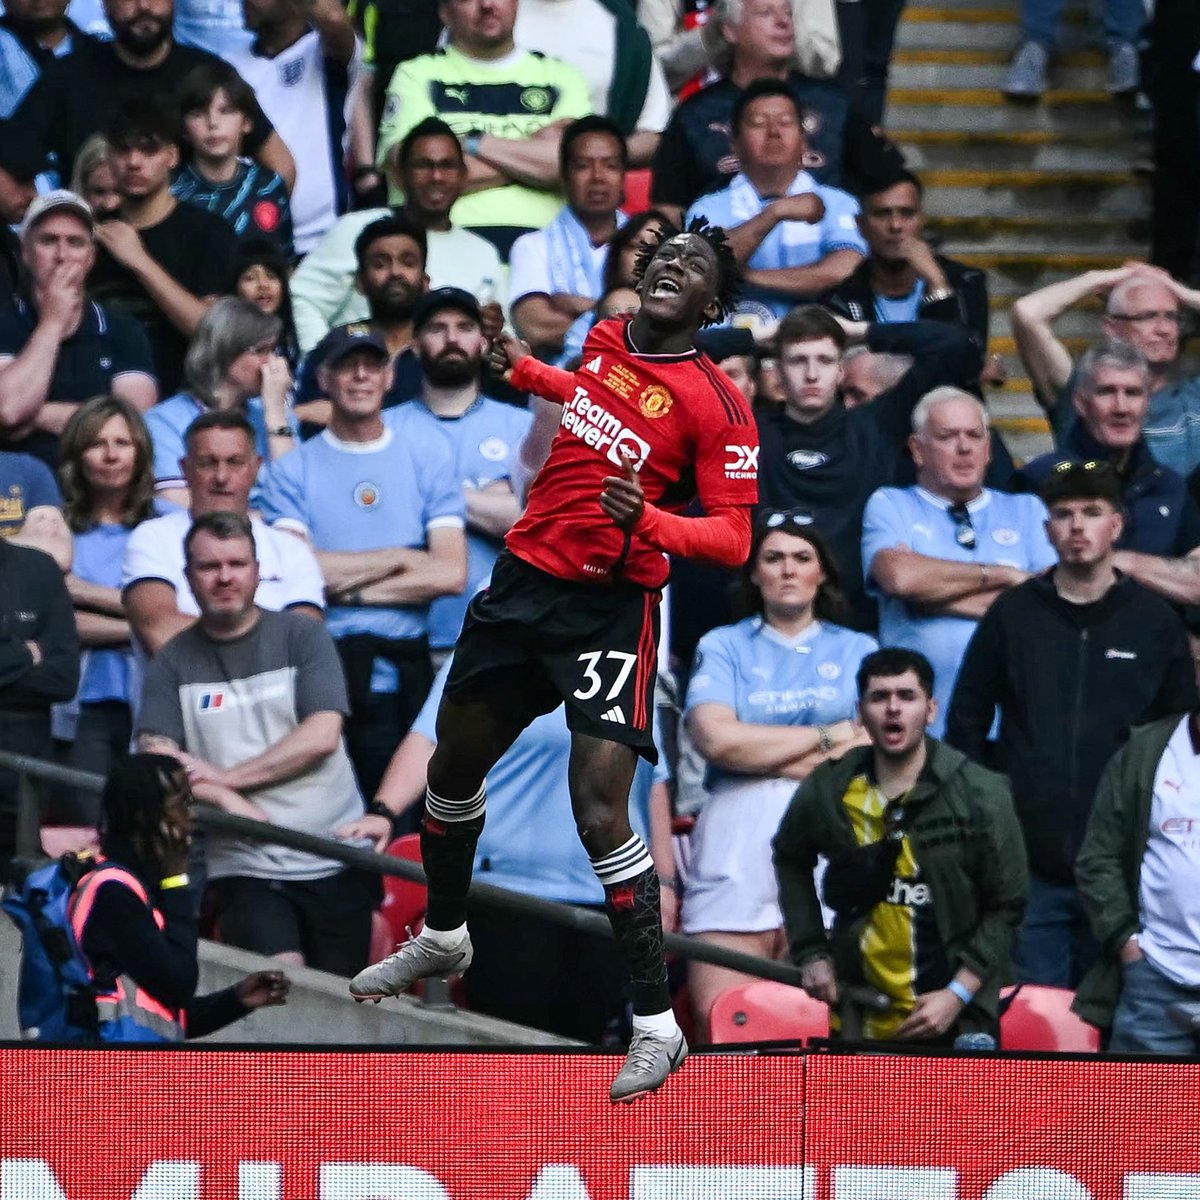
column 666, row 287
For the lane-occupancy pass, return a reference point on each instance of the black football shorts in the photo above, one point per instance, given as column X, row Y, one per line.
column 531, row 642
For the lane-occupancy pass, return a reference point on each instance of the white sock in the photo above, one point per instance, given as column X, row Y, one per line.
column 443, row 939
column 662, row 1025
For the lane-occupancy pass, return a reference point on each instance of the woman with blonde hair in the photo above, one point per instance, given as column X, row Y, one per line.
column 233, row 362
column 108, row 489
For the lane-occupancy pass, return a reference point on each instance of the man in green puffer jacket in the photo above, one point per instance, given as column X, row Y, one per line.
column 927, row 870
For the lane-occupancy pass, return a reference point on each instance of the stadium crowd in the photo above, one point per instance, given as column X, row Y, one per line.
column 255, row 460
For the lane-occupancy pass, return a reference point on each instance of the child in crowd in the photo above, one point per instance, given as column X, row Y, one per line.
column 217, row 105
column 262, row 279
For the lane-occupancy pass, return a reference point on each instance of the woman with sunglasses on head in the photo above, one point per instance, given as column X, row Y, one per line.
column 769, row 698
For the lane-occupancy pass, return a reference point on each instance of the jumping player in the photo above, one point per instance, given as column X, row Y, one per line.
column 572, row 614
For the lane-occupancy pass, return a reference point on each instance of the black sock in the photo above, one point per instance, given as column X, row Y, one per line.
column 448, row 851
column 636, row 918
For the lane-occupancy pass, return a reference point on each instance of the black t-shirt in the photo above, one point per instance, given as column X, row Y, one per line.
column 106, row 344
column 12, row 268
column 199, row 251
column 79, row 94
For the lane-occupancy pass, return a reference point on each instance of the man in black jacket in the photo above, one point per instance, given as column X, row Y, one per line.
column 39, row 664
column 903, row 280
column 821, row 457
column 1072, row 659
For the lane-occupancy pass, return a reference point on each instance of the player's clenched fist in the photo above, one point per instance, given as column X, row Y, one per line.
column 622, row 498
column 506, row 352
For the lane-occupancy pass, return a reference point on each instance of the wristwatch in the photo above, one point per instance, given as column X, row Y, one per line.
column 282, row 431
column 471, row 142
column 942, row 293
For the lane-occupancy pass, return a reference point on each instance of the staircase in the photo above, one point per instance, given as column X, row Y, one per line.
column 1030, row 193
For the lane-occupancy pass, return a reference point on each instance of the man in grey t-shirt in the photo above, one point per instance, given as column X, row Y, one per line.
column 252, row 703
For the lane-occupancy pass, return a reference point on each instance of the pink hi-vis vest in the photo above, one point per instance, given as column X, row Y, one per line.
column 127, row 1013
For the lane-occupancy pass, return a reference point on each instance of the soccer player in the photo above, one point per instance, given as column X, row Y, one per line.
column 572, row 614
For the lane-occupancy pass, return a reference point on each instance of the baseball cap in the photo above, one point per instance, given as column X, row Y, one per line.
column 59, row 200
column 442, row 298
column 347, row 339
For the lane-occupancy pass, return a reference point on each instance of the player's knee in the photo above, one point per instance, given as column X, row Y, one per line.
column 600, row 818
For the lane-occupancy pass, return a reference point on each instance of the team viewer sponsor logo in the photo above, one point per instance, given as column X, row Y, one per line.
column 741, row 462
column 595, row 426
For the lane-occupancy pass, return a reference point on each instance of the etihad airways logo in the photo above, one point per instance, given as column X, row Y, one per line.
column 595, row 426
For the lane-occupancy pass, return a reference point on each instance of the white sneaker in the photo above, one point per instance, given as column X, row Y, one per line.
column 1027, row 72
column 1124, row 70
column 649, row 1061
column 415, row 960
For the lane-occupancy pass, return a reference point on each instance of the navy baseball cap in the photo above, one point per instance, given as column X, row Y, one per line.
column 348, row 339
column 442, row 298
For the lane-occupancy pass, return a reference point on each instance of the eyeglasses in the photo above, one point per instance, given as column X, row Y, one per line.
column 964, row 531
column 1171, row 316
column 776, row 518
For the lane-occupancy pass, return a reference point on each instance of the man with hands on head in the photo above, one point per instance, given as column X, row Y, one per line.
column 1143, row 306
column 926, row 873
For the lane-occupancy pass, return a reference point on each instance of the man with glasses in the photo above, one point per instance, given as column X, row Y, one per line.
column 1073, row 659
column 938, row 554
column 1158, row 545
column 1143, row 307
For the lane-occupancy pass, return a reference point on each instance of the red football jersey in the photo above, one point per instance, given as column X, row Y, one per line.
column 689, row 429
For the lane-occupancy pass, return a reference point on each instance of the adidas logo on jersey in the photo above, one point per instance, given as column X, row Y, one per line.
column 594, row 366
column 614, row 714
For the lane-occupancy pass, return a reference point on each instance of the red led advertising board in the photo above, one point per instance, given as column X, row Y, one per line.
column 320, row 1125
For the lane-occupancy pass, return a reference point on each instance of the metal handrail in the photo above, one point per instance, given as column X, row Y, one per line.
column 215, row 820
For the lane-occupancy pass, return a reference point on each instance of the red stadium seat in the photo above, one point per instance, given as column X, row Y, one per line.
column 404, row 903
column 767, row 1012
column 1040, row 1018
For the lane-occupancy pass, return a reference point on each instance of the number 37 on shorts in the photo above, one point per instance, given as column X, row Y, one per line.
column 609, row 679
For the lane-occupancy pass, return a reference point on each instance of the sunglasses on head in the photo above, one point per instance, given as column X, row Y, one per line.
column 777, row 518
column 1093, row 464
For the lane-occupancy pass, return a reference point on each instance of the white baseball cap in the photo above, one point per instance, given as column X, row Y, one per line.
column 58, row 200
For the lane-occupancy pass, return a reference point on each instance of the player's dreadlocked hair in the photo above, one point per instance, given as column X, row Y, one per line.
column 135, row 794
column 729, row 285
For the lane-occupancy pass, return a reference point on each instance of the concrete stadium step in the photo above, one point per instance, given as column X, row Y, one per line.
column 984, row 111
column 990, row 78
column 1075, row 323
column 1033, row 194
column 1061, row 234
column 975, row 55
column 1028, row 150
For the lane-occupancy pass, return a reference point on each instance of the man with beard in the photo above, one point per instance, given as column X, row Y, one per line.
column 485, row 437
column 647, row 424
column 379, row 502
column 79, row 94
column 391, row 276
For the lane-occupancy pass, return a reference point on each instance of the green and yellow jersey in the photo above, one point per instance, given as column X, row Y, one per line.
column 512, row 98
column 901, row 950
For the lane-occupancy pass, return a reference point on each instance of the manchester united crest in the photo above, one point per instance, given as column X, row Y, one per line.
column 655, row 401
